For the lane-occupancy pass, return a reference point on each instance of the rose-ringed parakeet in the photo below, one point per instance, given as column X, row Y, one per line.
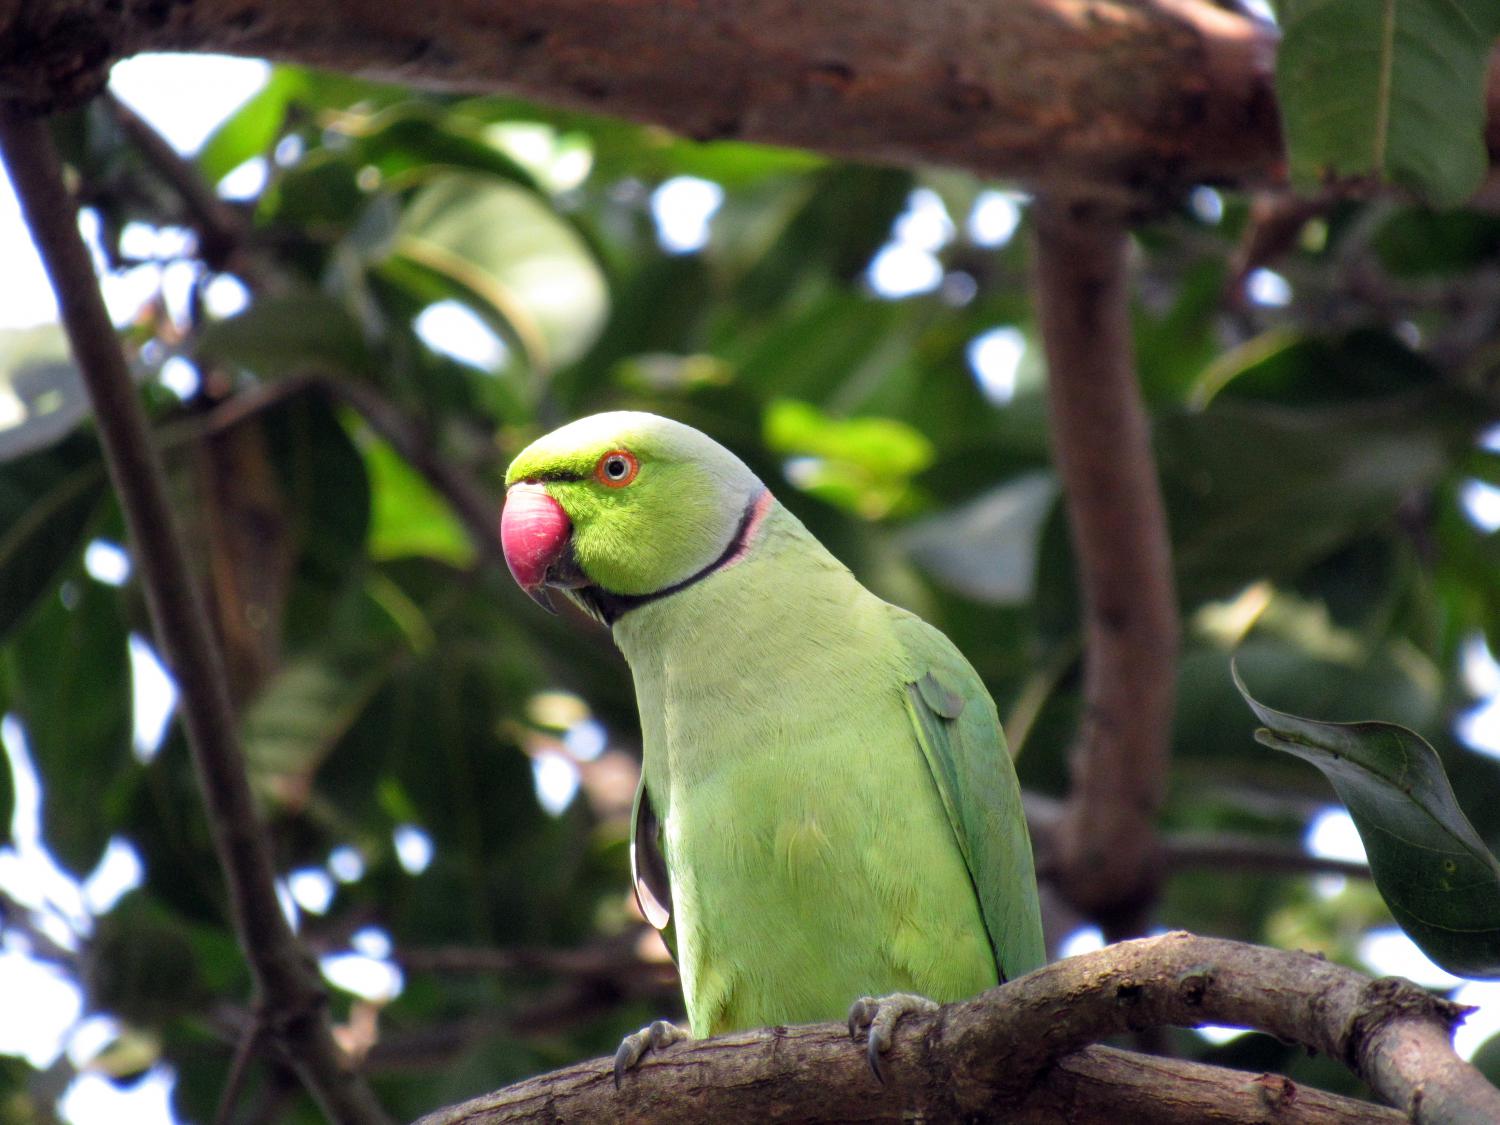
column 827, row 810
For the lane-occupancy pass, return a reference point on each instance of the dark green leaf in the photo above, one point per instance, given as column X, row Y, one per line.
column 70, row 684
column 1440, row 881
column 1257, row 491
column 419, row 138
column 1421, row 243
column 295, row 722
column 46, row 501
column 840, row 217
column 277, row 336
column 141, row 966
column 1392, row 89
column 328, row 497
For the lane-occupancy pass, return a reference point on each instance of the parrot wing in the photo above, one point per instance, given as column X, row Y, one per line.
column 648, row 867
column 959, row 732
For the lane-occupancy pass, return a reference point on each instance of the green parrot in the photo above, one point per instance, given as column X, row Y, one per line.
column 827, row 812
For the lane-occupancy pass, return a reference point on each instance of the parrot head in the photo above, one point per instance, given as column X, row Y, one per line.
column 620, row 507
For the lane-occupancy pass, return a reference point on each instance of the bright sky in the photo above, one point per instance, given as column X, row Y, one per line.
column 186, row 97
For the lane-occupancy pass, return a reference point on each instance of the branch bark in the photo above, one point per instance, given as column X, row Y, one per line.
column 1124, row 98
column 1107, row 861
column 1022, row 1050
column 290, row 994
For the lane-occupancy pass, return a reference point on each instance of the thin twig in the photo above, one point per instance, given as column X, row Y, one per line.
column 221, row 229
column 285, row 976
column 1102, row 448
column 1189, row 851
column 239, row 1070
column 610, row 958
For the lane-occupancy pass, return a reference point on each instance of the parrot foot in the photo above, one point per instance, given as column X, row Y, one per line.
column 633, row 1048
column 880, row 1015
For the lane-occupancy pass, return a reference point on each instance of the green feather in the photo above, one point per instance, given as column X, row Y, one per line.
column 965, row 748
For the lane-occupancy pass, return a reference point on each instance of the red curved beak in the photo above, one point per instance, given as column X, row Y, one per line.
column 534, row 532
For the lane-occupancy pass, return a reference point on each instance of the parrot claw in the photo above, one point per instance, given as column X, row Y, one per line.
column 880, row 1015
column 655, row 1037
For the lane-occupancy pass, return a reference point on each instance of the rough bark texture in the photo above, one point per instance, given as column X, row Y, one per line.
column 736, row 1078
column 1125, row 98
column 1022, row 1052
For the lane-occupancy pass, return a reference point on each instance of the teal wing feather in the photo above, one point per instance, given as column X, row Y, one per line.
column 959, row 731
column 648, row 867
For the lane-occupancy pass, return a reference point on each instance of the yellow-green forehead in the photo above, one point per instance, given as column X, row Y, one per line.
column 576, row 447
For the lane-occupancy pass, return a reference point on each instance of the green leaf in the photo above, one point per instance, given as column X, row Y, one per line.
column 1420, row 243
column 46, row 501
column 409, row 518
column 865, row 464
column 421, row 139
column 1434, row 872
column 1256, row 491
column 254, row 128
column 505, row 246
column 294, row 723
column 277, row 335
column 1387, row 88
column 70, row 682
column 251, row 130
column 324, row 479
column 141, row 966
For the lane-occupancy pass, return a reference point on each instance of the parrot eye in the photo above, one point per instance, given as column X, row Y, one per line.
column 617, row 468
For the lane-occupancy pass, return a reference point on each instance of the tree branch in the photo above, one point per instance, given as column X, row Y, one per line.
column 1022, row 1050
column 220, row 228
column 1189, row 851
column 1106, row 846
column 1125, row 98
column 289, row 989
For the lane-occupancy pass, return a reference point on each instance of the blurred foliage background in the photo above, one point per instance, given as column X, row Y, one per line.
column 416, row 286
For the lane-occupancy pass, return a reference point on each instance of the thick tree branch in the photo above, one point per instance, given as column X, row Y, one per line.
column 1022, row 1050
column 289, row 989
column 1101, row 1084
column 1129, row 98
column 811, row 1078
column 1106, row 846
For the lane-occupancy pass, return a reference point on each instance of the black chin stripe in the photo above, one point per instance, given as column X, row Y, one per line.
column 609, row 606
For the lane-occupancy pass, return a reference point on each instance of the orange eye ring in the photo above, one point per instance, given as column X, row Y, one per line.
column 617, row 468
